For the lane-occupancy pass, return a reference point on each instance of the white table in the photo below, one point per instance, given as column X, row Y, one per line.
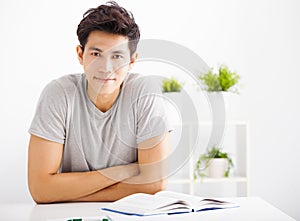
column 251, row 208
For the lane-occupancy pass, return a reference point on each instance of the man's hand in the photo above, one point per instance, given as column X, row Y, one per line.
column 122, row 172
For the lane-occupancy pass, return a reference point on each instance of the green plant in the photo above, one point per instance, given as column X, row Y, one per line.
column 223, row 81
column 171, row 85
column 211, row 80
column 205, row 159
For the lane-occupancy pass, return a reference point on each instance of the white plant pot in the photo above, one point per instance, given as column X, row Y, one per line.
column 232, row 104
column 217, row 168
column 173, row 105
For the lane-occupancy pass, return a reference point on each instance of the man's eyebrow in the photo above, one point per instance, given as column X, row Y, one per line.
column 119, row 52
column 95, row 49
column 100, row 50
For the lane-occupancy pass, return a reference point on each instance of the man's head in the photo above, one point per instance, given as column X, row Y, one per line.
column 110, row 18
column 108, row 37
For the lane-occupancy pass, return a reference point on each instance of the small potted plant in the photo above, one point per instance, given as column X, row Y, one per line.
column 215, row 162
column 224, row 81
column 171, row 85
column 222, row 86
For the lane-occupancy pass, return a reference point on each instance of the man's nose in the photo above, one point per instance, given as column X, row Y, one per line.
column 106, row 65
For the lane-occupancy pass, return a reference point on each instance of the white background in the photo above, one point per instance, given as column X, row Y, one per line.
column 258, row 38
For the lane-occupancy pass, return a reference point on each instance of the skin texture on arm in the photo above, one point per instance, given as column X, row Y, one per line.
column 46, row 185
column 151, row 179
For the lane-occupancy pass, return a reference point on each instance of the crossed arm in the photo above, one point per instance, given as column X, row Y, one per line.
column 109, row 184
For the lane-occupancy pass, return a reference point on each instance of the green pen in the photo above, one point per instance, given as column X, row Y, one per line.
column 90, row 219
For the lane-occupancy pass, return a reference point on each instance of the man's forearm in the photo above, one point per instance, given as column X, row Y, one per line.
column 69, row 186
column 120, row 190
column 153, row 168
column 150, row 180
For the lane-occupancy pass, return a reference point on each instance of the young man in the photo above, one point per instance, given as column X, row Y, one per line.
column 101, row 135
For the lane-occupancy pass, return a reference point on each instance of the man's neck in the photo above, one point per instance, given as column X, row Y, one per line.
column 103, row 101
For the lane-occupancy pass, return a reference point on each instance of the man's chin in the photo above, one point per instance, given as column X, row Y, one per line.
column 107, row 90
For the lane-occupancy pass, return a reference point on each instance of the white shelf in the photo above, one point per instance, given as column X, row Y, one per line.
column 209, row 123
column 239, row 138
column 221, row 180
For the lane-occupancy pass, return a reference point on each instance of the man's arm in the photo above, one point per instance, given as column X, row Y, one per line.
column 152, row 160
column 46, row 185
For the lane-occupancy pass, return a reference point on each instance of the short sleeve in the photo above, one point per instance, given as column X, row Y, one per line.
column 49, row 121
column 151, row 115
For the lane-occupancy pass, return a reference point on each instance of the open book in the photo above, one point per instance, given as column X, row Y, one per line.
column 165, row 202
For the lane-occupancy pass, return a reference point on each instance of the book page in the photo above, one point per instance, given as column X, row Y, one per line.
column 186, row 197
column 147, row 204
column 196, row 202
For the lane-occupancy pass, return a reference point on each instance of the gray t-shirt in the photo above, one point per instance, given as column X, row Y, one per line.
column 93, row 139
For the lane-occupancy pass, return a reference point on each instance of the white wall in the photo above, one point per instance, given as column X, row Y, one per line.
column 258, row 38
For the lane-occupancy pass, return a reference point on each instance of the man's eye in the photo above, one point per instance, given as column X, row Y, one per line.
column 117, row 56
column 96, row 54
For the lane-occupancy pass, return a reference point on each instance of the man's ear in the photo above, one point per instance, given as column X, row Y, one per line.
column 133, row 58
column 79, row 54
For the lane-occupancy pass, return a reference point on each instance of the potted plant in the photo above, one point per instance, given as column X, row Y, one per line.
column 222, row 86
column 225, row 80
column 215, row 162
column 171, row 85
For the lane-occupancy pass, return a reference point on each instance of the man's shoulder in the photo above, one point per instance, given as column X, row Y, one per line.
column 70, row 84
column 141, row 83
column 69, row 80
column 63, row 86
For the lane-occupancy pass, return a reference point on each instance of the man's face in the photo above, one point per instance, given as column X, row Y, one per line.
column 106, row 61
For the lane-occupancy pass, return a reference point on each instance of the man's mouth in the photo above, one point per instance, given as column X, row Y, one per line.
column 104, row 80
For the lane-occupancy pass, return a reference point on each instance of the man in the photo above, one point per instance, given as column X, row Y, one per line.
column 101, row 135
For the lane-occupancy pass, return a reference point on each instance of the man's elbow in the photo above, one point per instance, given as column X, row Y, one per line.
column 38, row 199
column 38, row 196
column 157, row 186
column 38, row 192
